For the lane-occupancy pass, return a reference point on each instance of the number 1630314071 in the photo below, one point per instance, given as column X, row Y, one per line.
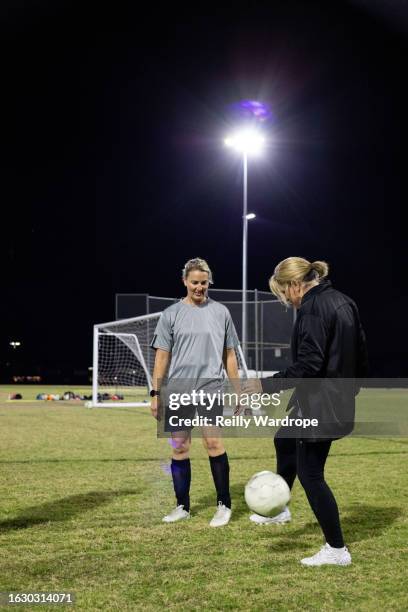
column 17, row 597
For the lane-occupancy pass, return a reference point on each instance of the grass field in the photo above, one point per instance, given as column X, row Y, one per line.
column 83, row 492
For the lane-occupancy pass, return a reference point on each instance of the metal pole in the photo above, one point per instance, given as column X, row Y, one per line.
column 256, row 333
column 95, row 366
column 243, row 362
column 262, row 338
column 148, row 351
column 244, row 257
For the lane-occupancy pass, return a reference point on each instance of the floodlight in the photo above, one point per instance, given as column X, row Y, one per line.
column 246, row 141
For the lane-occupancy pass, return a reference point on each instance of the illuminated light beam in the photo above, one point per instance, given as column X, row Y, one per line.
column 246, row 141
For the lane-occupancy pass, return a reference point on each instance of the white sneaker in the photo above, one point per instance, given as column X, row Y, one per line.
column 178, row 514
column 329, row 556
column 221, row 517
column 284, row 517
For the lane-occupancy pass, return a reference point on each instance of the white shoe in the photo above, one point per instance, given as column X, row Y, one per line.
column 284, row 517
column 329, row 556
column 178, row 514
column 221, row 517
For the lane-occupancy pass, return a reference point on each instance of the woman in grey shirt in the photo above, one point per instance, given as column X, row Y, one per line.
column 194, row 341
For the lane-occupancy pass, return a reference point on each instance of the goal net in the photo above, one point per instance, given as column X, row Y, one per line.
column 123, row 361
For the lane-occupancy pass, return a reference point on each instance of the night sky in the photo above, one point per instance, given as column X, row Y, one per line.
column 114, row 171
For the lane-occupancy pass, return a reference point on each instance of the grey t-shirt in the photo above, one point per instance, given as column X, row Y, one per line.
column 196, row 337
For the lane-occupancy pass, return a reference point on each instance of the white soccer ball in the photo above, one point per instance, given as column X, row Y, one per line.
column 267, row 493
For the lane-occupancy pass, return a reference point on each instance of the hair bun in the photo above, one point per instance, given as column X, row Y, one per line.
column 321, row 267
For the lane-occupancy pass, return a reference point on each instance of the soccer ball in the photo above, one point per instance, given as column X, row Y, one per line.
column 266, row 493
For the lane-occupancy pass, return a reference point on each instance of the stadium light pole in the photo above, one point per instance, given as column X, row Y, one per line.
column 247, row 142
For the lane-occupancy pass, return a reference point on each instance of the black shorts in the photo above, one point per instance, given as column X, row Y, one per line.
column 179, row 420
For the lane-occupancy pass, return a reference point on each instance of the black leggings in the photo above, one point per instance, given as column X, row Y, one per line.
column 307, row 460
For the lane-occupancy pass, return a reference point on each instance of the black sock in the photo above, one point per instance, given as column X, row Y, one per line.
column 220, row 471
column 181, row 472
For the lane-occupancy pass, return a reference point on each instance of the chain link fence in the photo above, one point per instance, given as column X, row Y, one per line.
column 269, row 323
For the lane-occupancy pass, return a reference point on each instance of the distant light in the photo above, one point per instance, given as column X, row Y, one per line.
column 246, row 141
column 15, row 344
column 250, row 216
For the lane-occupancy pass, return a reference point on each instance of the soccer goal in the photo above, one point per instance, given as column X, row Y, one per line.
column 123, row 361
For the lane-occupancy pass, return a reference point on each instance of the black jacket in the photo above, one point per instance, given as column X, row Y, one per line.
column 328, row 342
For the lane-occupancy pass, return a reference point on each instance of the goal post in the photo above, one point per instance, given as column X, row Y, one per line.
column 123, row 361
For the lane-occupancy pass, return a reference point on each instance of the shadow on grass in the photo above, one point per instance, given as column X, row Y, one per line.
column 237, row 496
column 380, row 452
column 90, row 460
column 61, row 509
column 363, row 521
column 196, row 459
column 359, row 522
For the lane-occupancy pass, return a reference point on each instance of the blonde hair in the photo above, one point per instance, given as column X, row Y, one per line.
column 197, row 264
column 295, row 269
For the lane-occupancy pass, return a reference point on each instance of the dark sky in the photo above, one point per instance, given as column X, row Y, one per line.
column 114, row 170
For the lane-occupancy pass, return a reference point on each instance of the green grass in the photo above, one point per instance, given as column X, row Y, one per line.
column 83, row 492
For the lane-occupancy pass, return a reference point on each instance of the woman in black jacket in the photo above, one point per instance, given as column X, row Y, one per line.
column 328, row 346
